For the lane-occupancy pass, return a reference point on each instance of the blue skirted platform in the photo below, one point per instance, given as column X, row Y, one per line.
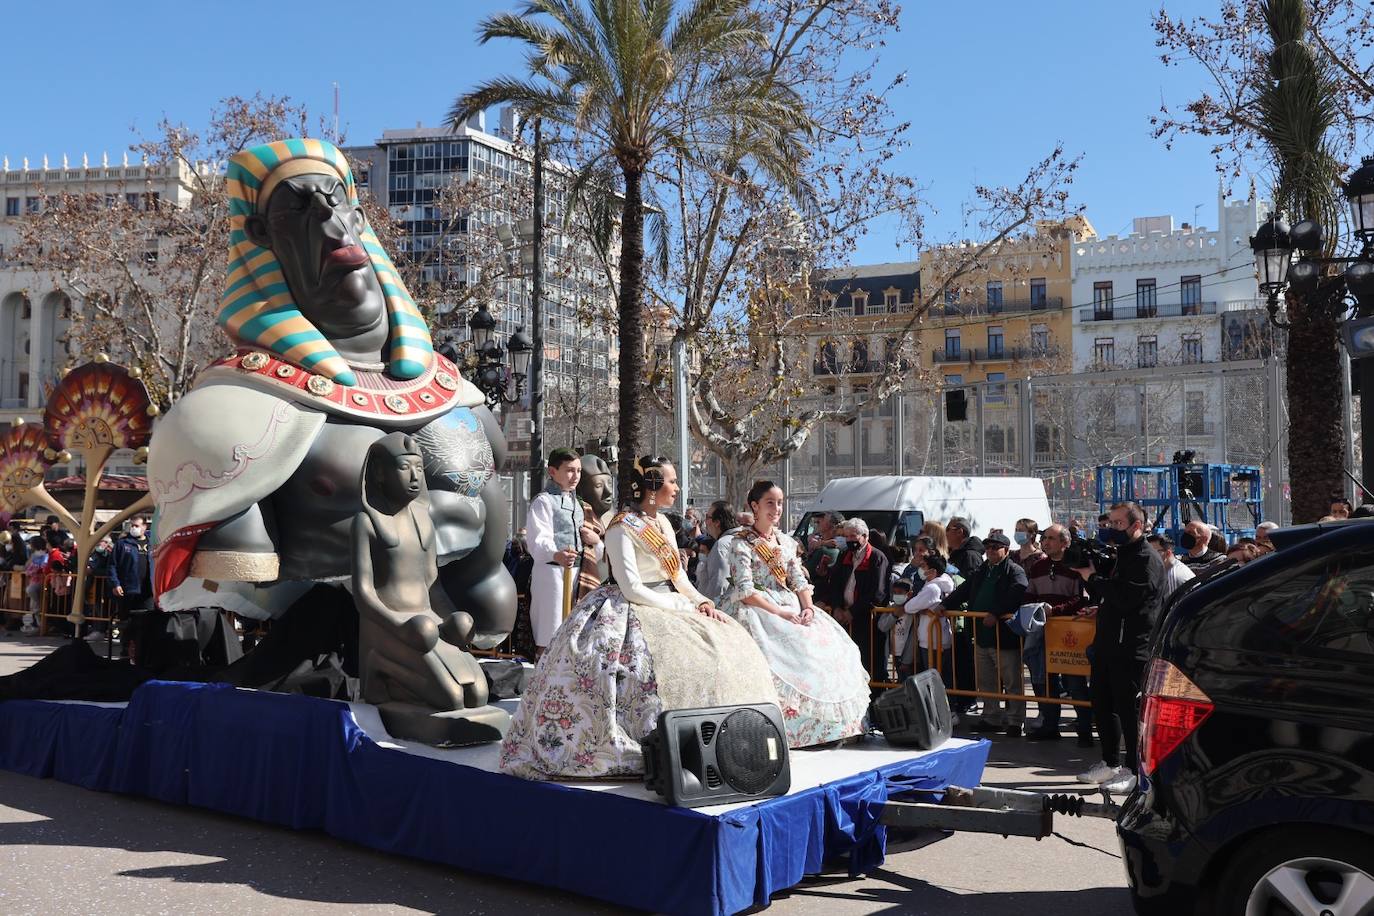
column 308, row 764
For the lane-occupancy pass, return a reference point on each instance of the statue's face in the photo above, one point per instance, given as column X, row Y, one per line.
column 316, row 234
column 596, row 490
column 403, row 478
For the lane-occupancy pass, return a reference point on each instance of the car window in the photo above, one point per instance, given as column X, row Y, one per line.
column 1325, row 605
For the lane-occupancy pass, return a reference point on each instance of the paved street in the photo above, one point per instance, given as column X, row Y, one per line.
column 69, row 850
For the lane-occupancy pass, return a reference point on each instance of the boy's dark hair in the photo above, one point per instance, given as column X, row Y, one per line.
column 561, row 456
column 936, row 563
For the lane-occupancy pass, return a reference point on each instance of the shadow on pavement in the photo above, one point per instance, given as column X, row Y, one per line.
column 281, row 863
column 914, row 897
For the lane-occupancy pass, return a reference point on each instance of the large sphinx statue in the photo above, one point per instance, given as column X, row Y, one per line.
column 257, row 471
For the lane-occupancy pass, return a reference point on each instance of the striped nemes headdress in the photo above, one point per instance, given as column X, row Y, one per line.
column 257, row 308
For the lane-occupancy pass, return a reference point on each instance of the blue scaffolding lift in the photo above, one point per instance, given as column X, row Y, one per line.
column 1229, row 497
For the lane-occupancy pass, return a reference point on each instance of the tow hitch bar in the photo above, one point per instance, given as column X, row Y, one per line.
column 1010, row 812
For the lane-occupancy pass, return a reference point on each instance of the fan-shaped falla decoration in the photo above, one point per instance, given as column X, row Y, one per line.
column 23, row 462
column 99, row 406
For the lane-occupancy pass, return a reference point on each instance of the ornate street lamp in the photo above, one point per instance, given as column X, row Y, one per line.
column 1273, row 246
column 1359, row 192
column 1273, row 255
column 501, row 384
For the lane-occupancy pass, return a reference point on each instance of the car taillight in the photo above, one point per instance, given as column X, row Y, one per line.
column 1174, row 708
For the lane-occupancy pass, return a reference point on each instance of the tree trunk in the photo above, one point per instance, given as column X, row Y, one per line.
column 631, row 327
column 739, row 477
column 1315, row 457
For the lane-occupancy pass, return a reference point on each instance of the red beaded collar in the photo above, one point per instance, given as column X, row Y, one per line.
column 440, row 389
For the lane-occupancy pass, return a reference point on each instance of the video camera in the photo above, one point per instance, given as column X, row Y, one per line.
column 1082, row 552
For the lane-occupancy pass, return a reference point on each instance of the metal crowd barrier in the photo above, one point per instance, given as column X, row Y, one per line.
column 54, row 599
column 935, row 655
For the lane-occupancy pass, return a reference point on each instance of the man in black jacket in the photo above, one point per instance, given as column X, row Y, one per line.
column 965, row 550
column 861, row 583
column 1129, row 602
column 997, row 586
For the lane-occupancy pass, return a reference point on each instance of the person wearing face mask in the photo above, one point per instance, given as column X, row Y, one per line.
column 1026, row 537
column 131, row 571
column 925, row 629
column 1055, row 583
column 1128, row 605
column 1196, row 543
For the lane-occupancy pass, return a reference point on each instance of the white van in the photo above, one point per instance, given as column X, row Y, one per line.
column 898, row 506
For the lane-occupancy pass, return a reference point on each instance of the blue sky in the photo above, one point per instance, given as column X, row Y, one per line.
column 992, row 86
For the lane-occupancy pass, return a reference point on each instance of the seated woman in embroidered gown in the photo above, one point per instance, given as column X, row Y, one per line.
column 630, row 650
column 820, row 679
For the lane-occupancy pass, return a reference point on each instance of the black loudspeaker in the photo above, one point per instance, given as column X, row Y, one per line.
column 915, row 714
column 717, row 756
column 956, row 406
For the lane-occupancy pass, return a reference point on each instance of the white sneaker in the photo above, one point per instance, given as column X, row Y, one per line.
column 1100, row 773
column 1122, row 784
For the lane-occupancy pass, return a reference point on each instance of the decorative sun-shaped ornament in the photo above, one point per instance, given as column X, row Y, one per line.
column 23, row 462
column 99, row 406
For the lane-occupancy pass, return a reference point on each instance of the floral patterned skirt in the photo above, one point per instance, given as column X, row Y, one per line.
column 821, row 682
column 595, row 695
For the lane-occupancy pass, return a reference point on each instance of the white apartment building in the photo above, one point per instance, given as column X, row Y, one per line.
column 1160, row 297
column 34, row 313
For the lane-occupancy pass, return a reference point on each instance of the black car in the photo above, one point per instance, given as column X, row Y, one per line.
column 1256, row 791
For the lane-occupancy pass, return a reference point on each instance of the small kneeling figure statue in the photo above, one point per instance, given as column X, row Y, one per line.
column 415, row 666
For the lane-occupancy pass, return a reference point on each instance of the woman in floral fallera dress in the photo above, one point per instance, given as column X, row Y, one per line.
column 630, row 650
column 815, row 664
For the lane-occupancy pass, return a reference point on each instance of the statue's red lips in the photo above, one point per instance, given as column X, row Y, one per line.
column 347, row 256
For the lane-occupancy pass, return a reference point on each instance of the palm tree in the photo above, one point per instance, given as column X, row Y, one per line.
column 635, row 80
column 1297, row 108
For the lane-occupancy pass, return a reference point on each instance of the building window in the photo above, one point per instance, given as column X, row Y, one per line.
column 996, row 348
column 953, row 381
column 1040, row 339
column 1190, row 295
column 1104, row 351
column 1038, row 300
column 1146, row 306
column 1195, row 412
column 858, row 356
column 11, row 206
column 1147, row 352
column 951, row 302
column 131, row 201
column 952, row 347
column 893, row 300
column 827, row 359
column 1102, row 300
column 994, row 296
column 828, row 302
column 1192, row 348
column 997, row 389
column 860, row 302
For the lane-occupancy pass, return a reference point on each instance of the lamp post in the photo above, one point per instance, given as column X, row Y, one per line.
column 499, row 383
column 1274, row 246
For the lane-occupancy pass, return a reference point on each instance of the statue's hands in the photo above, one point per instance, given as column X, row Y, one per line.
column 456, row 630
column 420, row 632
column 589, row 536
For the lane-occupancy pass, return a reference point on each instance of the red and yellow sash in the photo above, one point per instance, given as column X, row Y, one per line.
column 770, row 555
column 650, row 537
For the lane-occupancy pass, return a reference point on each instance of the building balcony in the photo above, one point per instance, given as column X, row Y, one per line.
column 1125, row 312
column 986, row 355
column 1005, row 307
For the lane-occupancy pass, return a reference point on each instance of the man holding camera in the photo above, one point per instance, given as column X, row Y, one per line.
column 1129, row 600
